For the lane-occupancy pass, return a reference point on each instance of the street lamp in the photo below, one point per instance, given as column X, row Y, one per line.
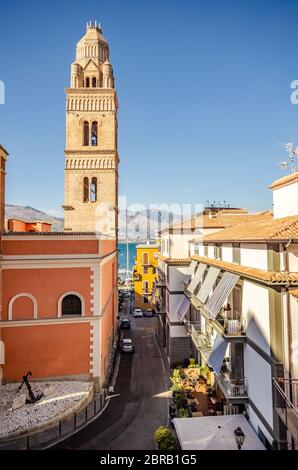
column 239, row 437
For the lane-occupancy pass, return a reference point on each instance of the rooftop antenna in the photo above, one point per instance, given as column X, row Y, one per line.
column 292, row 155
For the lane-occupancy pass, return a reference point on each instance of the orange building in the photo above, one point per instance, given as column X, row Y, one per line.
column 59, row 300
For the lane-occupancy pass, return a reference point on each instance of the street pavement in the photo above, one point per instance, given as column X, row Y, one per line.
column 139, row 402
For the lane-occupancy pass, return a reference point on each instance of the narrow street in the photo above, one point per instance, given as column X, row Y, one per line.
column 136, row 409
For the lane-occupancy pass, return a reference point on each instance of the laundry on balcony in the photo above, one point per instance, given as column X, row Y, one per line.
column 217, row 354
column 197, row 277
column 208, row 284
column 183, row 307
column 221, row 293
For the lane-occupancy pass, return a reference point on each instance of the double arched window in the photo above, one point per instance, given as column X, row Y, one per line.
column 90, row 82
column 90, row 138
column 89, row 189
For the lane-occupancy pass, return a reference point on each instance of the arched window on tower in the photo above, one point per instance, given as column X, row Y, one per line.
column 93, row 189
column 71, row 305
column 87, row 82
column 86, row 189
column 93, row 82
column 94, row 133
column 86, row 133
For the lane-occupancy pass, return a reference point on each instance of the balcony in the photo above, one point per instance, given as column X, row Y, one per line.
column 232, row 388
column 286, row 404
column 201, row 340
column 232, row 325
column 161, row 278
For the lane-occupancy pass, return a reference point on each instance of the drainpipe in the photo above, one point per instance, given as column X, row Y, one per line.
column 288, row 307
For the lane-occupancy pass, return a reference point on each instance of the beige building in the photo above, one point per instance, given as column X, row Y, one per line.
column 91, row 156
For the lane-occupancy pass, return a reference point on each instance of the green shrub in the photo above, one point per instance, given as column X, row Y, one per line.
column 183, row 413
column 176, row 387
column 192, row 361
column 164, row 438
column 193, row 366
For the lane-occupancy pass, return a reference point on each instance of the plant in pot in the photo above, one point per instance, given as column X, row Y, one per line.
column 183, row 413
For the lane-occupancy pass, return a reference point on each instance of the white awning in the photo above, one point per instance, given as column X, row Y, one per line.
column 197, row 277
column 191, row 268
column 217, row 354
column 183, row 307
column 221, row 293
column 208, row 284
column 215, row 433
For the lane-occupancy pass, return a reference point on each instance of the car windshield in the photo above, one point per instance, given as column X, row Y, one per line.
column 125, row 320
column 127, row 341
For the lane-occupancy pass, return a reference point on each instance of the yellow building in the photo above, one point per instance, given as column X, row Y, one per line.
column 145, row 274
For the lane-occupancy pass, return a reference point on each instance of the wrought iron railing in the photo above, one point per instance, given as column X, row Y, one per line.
column 232, row 388
column 286, row 403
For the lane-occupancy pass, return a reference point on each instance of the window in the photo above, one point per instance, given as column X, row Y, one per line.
column 93, row 82
column 218, row 251
column 86, row 189
column 145, row 258
column 87, row 82
column 236, row 253
column 86, row 133
column 93, row 190
column 71, row 305
column 145, row 269
column 94, row 133
column 145, row 286
column 145, row 300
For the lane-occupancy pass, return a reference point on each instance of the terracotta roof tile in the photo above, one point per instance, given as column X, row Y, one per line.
column 262, row 229
column 285, row 181
column 269, row 277
column 294, row 293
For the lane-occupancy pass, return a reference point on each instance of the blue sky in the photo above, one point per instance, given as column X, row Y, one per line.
column 203, row 86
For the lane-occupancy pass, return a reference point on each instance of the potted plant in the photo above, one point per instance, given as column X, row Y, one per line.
column 183, row 413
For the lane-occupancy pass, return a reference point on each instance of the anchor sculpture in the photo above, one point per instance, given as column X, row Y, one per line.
column 33, row 398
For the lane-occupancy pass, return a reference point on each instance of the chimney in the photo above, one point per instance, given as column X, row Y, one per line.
column 285, row 196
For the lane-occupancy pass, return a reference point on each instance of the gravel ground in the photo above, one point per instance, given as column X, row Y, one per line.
column 66, row 395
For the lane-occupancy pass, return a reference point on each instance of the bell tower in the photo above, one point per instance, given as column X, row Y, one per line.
column 91, row 156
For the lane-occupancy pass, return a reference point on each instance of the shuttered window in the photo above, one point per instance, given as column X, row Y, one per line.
column 208, row 284
column 221, row 293
column 197, row 277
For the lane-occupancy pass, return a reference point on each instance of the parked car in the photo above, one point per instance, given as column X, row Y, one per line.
column 127, row 345
column 137, row 312
column 148, row 313
column 125, row 324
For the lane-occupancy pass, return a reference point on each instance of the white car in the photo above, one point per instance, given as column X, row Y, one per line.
column 127, row 345
column 137, row 312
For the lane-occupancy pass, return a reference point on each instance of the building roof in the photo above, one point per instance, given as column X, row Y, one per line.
column 292, row 178
column 4, row 150
column 294, row 293
column 182, row 261
column 47, row 234
column 144, row 245
column 221, row 219
column 263, row 228
column 268, row 277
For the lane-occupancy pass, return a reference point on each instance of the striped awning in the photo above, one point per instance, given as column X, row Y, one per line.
column 208, row 283
column 197, row 277
column 183, row 307
column 217, row 354
column 221, row 293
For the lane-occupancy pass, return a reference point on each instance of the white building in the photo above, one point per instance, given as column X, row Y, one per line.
column 235, row 291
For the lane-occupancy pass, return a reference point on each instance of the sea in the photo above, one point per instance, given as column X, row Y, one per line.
column 132, row 252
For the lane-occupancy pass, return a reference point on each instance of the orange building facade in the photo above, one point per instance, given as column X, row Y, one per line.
column 58, row 299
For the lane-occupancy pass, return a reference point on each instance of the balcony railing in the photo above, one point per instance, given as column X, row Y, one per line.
column 286, row 403
column 232, row 388
column 232, row 326
column 201, row 340
column 161, row 278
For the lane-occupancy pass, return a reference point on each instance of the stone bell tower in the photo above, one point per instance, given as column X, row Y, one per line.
column 91, row 156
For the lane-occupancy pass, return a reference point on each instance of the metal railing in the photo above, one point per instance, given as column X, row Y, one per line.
column 232, row 388
column 286, row 403
column 63, row 429
column 232, row 324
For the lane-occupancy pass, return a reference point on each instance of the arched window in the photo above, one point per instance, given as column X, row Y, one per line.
column 87, row 82
column 93, row 190
column 86, row 189
column 71, row 305
column 94, row 133
column 93, row 82
column 86, row 133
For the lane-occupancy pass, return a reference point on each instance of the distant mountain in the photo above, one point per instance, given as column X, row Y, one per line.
column 140, row 224
column 13, row 211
